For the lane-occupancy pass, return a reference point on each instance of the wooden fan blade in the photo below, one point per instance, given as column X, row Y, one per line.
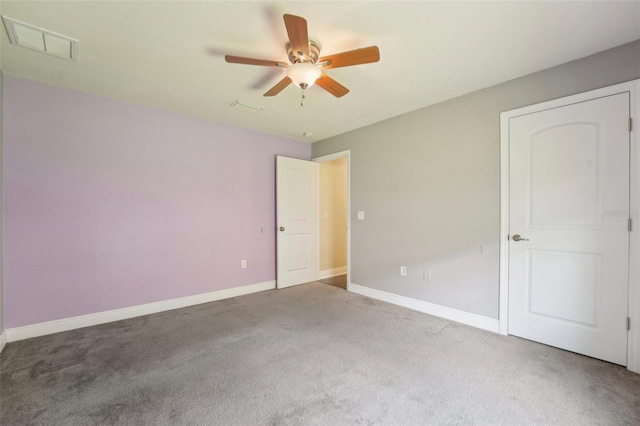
column 332, row 86
column 354, row 57
column 278, row 87
column 298, row 34
column 251, row 61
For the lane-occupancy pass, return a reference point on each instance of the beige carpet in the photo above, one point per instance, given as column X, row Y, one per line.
column 311, row 354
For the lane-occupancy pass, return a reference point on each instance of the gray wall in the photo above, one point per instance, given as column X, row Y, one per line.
column 1, row 300
column 429, row 183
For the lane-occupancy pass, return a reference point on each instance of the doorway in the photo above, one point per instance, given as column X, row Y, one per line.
column 567, row 211
column 333, row 219
column 298, row 221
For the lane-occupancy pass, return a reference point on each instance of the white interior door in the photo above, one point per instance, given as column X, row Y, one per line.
column 296, row 213
column 569, row 203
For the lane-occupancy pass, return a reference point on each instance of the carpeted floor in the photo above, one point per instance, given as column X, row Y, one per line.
column 310, row 354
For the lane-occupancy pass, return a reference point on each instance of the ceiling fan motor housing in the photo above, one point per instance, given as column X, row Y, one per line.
column 314, row 53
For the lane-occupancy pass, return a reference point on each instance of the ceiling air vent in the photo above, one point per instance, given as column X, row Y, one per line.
column 246, row 106
column 34, row 38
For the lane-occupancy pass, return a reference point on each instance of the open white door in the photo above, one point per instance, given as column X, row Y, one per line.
column 569, row 242
column 296, row 217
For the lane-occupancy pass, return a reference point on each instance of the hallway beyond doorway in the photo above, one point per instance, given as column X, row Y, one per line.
column 337, row 281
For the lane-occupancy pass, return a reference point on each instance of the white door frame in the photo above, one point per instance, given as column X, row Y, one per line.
column 331, row 157
column 633, row 87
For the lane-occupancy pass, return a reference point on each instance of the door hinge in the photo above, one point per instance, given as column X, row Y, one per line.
column 630, row 123
column 628, row 323
column 629, row 224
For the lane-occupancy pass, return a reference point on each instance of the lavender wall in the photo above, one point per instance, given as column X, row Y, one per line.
column 109, row 204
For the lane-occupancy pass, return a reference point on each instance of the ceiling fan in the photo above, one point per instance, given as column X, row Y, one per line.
column 307, row 65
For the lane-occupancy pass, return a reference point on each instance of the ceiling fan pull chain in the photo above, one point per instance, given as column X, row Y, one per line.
column 302, row 98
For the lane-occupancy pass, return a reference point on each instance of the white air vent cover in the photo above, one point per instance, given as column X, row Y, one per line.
column 44, row 41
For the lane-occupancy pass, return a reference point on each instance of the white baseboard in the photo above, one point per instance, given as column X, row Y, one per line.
column 328, row 273
column 66, row 324
column 467, row 318
column 3, row 340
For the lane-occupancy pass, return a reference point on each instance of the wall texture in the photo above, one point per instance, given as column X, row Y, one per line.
column 1, row 144
column 109, row 204
column 429, row 183
column 333, row 214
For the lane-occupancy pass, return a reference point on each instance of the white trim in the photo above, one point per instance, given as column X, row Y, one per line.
column 3, row 340
column 328, row 273
column 331, row 157
column 34, row 330
column 633, row 87
column 467, row 318
column 633, row 342
column 503, row 313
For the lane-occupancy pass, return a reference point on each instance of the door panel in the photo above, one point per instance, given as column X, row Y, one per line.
column 296, row 221
column 298, row 255
column 566, row 154
column 572, row 278
column 568, row 282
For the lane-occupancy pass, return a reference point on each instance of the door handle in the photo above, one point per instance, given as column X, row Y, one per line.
column 281, row 228
column 517, row 237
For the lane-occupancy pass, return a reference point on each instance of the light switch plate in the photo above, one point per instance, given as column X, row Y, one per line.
column 426, row 274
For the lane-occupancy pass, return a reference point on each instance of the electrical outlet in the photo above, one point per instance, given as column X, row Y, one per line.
column 243, row 263
column 403, row 271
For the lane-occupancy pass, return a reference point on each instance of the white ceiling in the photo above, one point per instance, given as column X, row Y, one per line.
column 170, row 55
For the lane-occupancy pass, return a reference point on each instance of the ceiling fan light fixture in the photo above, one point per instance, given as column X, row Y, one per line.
column 304, row 74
